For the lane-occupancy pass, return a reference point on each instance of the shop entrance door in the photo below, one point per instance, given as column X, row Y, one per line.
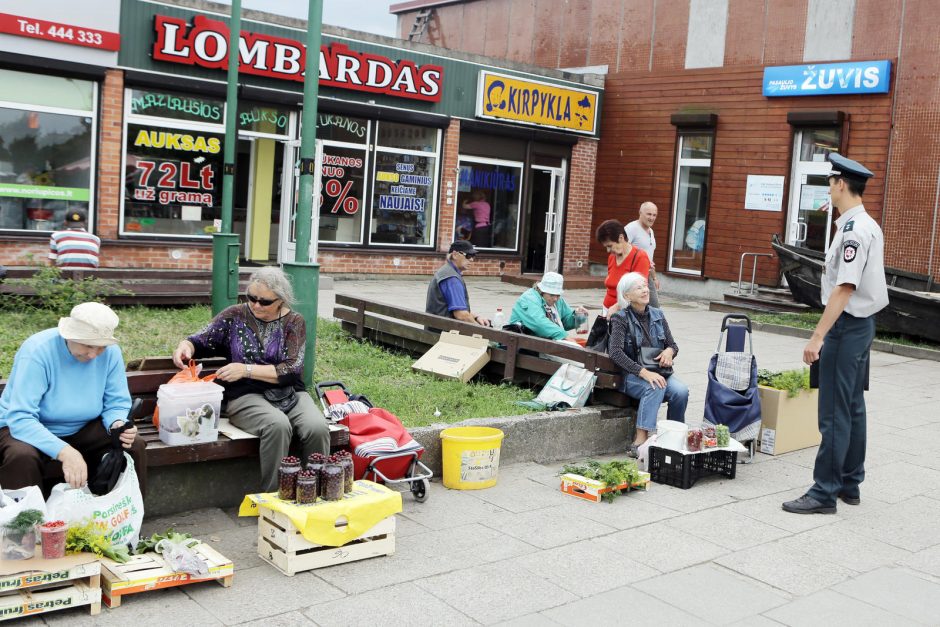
column 288, row 232
column 546, row 219
column 809, row 217
column 260, row 197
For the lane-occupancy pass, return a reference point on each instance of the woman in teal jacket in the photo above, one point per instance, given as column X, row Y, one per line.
column 543, row 311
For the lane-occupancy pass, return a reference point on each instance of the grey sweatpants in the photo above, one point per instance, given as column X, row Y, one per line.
column 254, row 414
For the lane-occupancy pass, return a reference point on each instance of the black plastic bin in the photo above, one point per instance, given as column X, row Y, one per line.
column 682, row 471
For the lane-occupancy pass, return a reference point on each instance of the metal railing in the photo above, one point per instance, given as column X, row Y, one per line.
column 739, row 288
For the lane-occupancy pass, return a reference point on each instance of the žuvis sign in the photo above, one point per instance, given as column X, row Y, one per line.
column 205, row 44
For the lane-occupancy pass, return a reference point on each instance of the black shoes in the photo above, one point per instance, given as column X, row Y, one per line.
column 850, row 500
column 808, row 505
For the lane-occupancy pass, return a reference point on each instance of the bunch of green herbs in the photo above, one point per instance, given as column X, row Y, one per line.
column 790, row 381
column 613, row 473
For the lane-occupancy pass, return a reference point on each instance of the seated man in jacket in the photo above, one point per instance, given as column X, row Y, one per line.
column 66, row 392
column 447, row 292
column 543, row 312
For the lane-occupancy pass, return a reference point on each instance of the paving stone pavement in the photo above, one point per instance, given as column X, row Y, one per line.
column 523, row 553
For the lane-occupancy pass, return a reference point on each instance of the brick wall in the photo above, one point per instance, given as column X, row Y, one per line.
column 580, row 207
column 110, row 149
column 636, row 155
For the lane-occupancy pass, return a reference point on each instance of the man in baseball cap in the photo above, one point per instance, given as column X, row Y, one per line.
column 74, row 247
column 447, row 292
column 66, row 392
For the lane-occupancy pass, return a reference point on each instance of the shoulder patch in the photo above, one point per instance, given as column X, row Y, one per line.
column 849, row 249
column 850, row 225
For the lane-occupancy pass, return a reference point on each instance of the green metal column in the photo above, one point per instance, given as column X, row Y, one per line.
column 304, row 271
column 224, row 264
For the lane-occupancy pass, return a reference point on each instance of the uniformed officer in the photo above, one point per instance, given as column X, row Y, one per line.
column 853, row 291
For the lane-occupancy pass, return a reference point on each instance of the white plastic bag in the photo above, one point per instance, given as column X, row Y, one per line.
column 570, row 384
column 120, row 512
column 12, row 502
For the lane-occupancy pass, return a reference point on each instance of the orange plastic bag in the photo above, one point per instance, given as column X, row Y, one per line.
column 189, row 374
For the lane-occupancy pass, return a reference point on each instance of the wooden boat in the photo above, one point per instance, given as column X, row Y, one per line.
column 913, row 299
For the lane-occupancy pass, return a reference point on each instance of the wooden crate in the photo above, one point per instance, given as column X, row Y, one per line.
column 594, row 490
column 39, row 591
column 281, row 544
column 150, row 571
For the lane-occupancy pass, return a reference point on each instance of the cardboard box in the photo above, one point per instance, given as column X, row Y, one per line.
column 788, row 424
column 593, row 490
column 455, row 356
column 37, row 585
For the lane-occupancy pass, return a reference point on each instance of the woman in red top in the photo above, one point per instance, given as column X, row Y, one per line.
column 624, row 257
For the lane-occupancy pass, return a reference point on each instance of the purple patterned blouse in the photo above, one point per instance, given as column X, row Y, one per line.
column 237, row 335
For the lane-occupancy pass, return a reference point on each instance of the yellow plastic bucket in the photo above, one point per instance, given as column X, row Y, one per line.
column 470, row 456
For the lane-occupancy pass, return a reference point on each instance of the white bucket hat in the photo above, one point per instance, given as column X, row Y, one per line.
column 552, row 283
column 92, row 324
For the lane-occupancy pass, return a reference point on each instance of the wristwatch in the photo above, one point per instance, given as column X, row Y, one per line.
column 248, row 370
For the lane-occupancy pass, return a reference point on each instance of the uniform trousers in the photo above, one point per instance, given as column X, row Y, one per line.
column 22, row 464
column 254, row 414
column 840, row 461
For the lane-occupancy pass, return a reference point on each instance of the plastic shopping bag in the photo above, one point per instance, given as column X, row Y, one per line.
column 120, row 512
column 189, row 374
column 570, row 385
column 12, row 502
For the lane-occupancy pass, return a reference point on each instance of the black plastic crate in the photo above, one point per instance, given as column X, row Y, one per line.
column 682, row 471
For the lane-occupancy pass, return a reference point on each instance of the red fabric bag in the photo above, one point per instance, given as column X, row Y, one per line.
column 378, row 423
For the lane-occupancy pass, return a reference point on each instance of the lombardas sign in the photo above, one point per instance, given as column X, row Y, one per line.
column 205, row 44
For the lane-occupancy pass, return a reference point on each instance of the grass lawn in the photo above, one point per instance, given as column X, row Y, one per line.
column 808, row 320
column 385, row 377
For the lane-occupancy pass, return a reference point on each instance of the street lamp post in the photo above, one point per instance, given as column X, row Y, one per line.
column 224, row 241
column 305, row 272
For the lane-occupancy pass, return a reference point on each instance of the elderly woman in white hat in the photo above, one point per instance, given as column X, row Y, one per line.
column 66, row 392
column 543, row 312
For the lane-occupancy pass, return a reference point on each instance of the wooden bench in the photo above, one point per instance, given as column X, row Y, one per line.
column 144, row 378
column 520, row 359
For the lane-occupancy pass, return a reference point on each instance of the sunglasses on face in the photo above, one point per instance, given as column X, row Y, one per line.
column 264, row 302
column 468, row 256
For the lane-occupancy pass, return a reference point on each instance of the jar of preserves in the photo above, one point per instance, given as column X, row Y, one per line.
column 307, row 486
column 693, row 441
column 344, row 458
column 331, row 482
column 722, row 435
column 287, row 478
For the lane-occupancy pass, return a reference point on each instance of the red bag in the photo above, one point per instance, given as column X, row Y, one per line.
column 378, row 423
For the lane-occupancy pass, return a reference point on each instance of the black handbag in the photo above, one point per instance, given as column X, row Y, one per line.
column 113, row 462
column 599, row 336
column 284, row 398
column 647, row 359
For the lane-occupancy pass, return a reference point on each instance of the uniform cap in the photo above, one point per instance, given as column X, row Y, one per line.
column 843, row 166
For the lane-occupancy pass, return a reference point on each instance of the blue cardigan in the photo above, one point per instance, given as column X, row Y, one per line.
column 51, row 395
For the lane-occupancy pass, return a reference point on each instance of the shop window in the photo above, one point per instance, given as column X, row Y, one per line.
column 46, row 150
column 343, row 178
column 690, row 199
column 488, row 201
column 404, row 184
column 172, row 180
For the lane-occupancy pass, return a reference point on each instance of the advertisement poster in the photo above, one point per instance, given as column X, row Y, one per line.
column 814, row 198
column 403, row 193
column 764, row 193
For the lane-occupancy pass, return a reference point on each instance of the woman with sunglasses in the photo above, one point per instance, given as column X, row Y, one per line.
column 264, row 341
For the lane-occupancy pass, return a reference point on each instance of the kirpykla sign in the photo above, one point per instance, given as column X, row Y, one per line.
column 205, row 44
column 61, row 33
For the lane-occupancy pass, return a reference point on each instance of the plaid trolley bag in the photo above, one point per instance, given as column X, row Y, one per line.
column 732, row 397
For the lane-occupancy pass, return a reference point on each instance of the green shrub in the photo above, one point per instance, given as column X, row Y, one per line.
column 48, row 291
column 791, row 381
